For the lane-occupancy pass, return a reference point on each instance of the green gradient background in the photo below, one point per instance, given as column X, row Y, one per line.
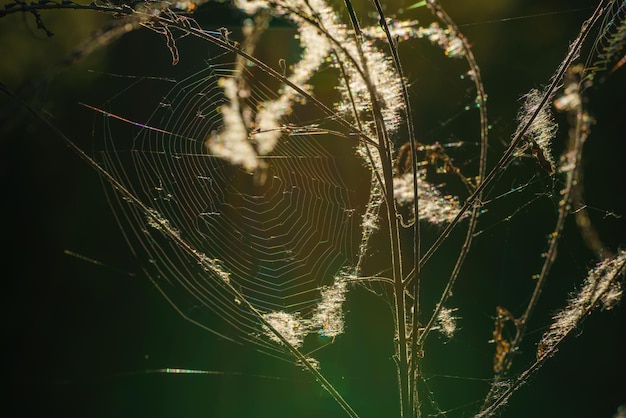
column 79, row 338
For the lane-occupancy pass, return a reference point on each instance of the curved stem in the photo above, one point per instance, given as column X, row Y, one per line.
column 474, row 198
column 484, row 132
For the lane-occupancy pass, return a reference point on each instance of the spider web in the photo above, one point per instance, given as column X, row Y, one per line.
column 278, row 242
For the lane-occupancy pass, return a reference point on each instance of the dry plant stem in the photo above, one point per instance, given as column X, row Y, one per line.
column 375, row 173
column 491, row 407
column 589, row 233
column 192, row 252
column 412, row 374
column 484, row 132
column 22, row 7
column 564, row 209
column 384, row 148
column 581, row 133
column 474, row 198
column 376, row 181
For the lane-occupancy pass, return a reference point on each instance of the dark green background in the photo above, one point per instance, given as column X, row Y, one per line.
column 81, row 338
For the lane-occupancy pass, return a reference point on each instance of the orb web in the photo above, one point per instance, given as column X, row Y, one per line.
column 279, row 242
